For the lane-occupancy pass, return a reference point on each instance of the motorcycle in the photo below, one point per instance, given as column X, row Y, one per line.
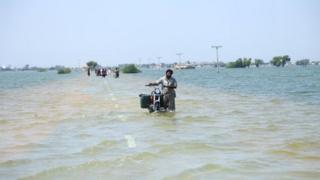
column 153, row 102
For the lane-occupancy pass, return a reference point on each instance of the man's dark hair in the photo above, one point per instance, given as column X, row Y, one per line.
column 169, row 70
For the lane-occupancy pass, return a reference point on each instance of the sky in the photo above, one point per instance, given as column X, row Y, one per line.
column 52, row 32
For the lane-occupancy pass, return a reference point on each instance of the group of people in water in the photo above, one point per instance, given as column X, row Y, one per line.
column 103, row 72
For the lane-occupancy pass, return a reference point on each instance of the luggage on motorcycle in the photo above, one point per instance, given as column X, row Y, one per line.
column 145, row 100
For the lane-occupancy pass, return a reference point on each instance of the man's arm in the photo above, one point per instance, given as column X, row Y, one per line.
column 155, row 83
column 152, row 84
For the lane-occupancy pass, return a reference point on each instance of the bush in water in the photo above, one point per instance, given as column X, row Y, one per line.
column 131, row 68
column 64, row 71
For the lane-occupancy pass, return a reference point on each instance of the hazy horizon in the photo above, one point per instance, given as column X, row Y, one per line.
column 47, row 33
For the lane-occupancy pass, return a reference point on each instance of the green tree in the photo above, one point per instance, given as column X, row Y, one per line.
column 285, row 59
column 280, row 60
column 246, row 62
column 92, row 64
column 276, row 61
column 240, row 63
column 231, row 65
column 258, row 62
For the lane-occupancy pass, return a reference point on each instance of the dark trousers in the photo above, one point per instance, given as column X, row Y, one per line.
column 169, row 101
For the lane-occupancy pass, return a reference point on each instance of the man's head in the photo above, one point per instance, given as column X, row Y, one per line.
column 169, row 73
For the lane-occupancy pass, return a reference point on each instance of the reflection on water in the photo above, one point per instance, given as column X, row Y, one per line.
column 89, row 128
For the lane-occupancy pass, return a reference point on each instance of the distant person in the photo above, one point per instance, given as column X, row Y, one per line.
column 116, row 73
column 88, row 71
column 169, row 84
column 104, row 72
column 100, row 71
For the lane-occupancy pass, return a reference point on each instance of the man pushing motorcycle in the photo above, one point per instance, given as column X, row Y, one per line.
column 168, row 85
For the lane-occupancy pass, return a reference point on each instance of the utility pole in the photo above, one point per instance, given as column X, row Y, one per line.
column 217, row 49
column 179, row 54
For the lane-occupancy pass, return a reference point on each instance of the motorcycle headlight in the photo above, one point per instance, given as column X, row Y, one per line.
column 157, row 91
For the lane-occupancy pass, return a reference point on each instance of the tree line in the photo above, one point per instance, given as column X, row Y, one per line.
column 277, row 61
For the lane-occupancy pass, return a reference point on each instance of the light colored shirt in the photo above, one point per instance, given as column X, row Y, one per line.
column 163, row 81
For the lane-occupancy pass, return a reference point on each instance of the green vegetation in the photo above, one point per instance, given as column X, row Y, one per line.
column 92, row 64
column 42, row 69
column 303, row 62
column 221, row 64
column 26, row 67
column 258, row 62
column 240, row 63
column 315, row 63
column 280, row 60
column 130, row 68
column 64, row 70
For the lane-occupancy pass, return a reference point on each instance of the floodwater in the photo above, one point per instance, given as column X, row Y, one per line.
column 79, row 127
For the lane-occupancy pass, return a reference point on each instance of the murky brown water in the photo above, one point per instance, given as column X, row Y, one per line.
column 93, row 128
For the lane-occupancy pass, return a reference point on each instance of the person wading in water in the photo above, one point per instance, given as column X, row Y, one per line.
column 89, row 71
column 168, row 84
